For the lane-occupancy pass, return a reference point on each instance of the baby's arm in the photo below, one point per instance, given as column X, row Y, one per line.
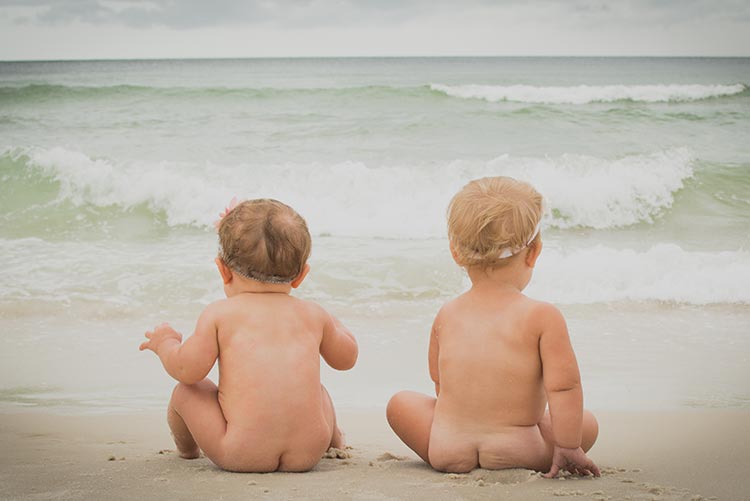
column 433, row 355
column 562, row 382
column 191, row 361
column 338, row 346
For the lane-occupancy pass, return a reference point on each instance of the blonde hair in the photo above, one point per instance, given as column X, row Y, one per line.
column 491, row 219
column 264, row 240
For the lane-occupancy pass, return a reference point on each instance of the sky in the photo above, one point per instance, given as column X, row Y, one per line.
column 115, row 29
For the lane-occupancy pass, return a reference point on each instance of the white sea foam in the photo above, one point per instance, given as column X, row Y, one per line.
column 566, row 273
column 583, row 94
column 391, row 201
column 375, row 274
column 101, row 277
column 599, row 193
column 665, row 272
column 184, row 195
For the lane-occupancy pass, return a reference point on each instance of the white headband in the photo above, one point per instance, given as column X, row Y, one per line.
column 254, row 275
column 260, row 277
column 506, row 253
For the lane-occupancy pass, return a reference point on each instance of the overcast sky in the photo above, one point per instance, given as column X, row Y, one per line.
column 84, row 29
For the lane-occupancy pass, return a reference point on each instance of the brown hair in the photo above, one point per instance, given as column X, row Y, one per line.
column 264, row 240
column 490, row 216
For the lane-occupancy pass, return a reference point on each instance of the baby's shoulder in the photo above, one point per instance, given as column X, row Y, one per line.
column 450, row 309
column 220, row 306
column 309, row 309
column 215, row 308
column 536, row 306
column 543, row 314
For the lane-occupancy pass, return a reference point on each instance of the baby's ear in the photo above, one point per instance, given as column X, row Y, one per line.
column 302, row 274
column 224, row 270
column 535, row 248
column 454, row 254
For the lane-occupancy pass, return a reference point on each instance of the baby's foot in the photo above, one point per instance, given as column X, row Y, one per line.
column 194, row 453
column 187, row 448
column 338, row 440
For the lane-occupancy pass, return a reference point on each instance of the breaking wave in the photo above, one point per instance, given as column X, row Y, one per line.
column 390, row 201
column 584, row 94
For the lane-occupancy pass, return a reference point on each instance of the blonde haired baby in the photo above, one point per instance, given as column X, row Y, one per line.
column 497, row 357
column 269, row 411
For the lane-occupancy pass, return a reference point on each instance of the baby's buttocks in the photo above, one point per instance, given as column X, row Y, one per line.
column 517, row 447
column 267, row 449
column 514, row 447
column 452, row 451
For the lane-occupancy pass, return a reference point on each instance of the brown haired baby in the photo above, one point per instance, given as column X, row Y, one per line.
column 270, row 411
column 497, row 357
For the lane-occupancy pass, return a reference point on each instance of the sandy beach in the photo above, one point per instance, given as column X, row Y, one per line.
column 664, row 455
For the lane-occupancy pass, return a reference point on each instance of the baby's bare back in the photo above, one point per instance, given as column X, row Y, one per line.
column 490, row 377
column 269, row 375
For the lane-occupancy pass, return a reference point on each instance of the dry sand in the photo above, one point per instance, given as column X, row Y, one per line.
column 692, row 455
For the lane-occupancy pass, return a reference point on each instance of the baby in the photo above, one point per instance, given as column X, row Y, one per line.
column 496, row 356
column 270, row 411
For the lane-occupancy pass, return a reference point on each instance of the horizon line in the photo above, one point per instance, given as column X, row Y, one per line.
column 410, row 56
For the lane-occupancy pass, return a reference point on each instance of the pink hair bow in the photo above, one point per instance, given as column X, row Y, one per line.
column 232, row 204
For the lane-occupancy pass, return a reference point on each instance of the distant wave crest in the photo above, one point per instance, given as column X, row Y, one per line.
column 584, row 94
column 580, row 94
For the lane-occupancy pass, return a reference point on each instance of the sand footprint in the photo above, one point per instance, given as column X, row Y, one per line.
column 387, row 458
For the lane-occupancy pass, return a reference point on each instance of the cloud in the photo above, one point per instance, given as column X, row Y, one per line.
column 170, row 13
column 189, row 14
column 248, row 28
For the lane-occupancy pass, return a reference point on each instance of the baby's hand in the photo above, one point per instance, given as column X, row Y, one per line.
column 574, row 461
column 159, row 334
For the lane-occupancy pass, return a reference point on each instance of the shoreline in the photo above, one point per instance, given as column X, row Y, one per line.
column 642, row 454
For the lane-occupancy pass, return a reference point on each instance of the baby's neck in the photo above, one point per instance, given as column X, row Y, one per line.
column 511, row 278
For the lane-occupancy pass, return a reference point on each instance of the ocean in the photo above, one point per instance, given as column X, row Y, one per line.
column 112, row 173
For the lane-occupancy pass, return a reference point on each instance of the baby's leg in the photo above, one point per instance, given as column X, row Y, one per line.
column 196, row 419
column 337, row 439
column 589, row 431
column 410, row 415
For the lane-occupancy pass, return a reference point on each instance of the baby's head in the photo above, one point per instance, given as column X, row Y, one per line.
column 264, row 240
column 493, row 219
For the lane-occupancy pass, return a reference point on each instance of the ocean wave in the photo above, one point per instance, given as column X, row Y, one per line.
column 585, row 94
column 103, row 279
column 599, row 193
column 664, row 272
column 109, row 280
column 580, row 94
column 565, row 273
column 349, row 198
column 42, row 91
